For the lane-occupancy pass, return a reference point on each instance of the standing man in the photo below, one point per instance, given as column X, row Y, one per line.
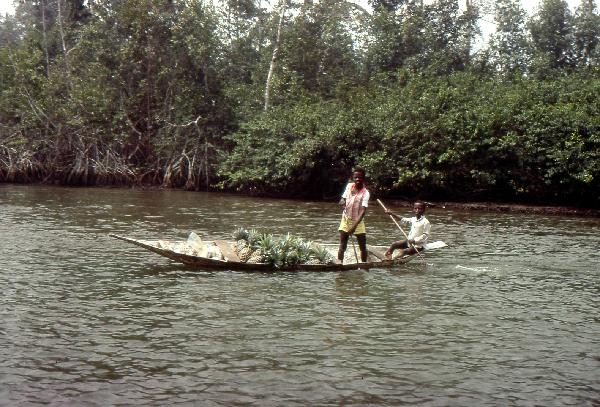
column 355, row 201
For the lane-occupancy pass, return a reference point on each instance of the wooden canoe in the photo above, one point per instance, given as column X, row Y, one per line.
column 227, row 260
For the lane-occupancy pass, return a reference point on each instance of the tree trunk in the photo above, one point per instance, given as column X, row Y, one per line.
column 275, row 52
column 45, row 36
column 469, row 5
column 64, row 47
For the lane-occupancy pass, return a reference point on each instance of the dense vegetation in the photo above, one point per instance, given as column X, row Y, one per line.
column 284, row 102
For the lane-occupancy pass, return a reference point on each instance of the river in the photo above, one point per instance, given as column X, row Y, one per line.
column 508, row 315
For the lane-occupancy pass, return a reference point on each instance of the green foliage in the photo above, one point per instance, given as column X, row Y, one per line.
column 587, row 34
column 460, row 137
column 551, row 32
column 172, row 92
column 466, row 138
column 509, row 45
column 275, row 156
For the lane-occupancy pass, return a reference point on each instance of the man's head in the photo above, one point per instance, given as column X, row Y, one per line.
column 359, row 169
column 358, row 176
column 419, row 208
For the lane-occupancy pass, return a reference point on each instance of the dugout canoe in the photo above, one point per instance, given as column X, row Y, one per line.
column 225, row 258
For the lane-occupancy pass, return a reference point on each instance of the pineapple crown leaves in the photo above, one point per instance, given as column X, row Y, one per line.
column 280, row 252
column 266, row 241
column 254, row 238
column 240, row 234
column 276, row 258
column 323, row 255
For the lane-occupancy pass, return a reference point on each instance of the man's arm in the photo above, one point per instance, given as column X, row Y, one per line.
column 393, row 214
column 361, row 214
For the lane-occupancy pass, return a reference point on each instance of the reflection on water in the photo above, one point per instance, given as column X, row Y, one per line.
column 508, row 315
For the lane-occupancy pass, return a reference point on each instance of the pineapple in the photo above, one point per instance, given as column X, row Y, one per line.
column 291, row 257
column 309, row 256
column 287, row 242
column 294, row 247
column 240, row 236
column 323, row 255
column 296, row 244
column 313, row 261
column 271, row 251
column 303, row 254
column 254, row 247
column 266, row 244
column 245, row 254
column 276, row 257
column 285, row 247
column 247, row 245
column 266, row 241
column 253, row 238
column 239, row 246
column 240, row 233
column 256, row 257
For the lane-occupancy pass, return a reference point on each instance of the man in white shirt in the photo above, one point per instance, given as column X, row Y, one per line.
column 418, row 235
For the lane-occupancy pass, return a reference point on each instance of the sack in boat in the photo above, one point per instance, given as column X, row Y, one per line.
column 213, row 252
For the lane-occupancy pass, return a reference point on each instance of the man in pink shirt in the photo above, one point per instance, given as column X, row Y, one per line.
column 355, row 201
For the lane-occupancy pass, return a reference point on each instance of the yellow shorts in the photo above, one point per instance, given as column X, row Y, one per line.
column 344, row 226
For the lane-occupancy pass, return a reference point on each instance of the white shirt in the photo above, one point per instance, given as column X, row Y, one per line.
column 419, row 229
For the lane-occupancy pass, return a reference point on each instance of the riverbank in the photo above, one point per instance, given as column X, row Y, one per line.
column 510, row 208
column 467, row 206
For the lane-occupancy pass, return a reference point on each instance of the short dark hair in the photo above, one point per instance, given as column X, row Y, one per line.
column 361, row 170
column 422, row 203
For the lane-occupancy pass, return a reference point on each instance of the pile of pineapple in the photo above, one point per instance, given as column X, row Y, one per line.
column 252, row 246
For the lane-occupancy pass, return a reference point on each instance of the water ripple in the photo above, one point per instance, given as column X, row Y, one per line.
column 508, row 315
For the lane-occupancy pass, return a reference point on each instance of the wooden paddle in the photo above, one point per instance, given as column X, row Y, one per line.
column 405, row 235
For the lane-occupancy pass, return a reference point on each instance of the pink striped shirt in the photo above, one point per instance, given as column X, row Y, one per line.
column 354, row 199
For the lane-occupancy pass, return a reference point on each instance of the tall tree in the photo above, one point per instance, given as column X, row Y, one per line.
column 387, row 5
column 587, row 33
column 418, row 35
column 551, row 32
column 241, row 22
column 244, row 29
column 509, row 45
column 319, row 53
column 449, row 31
column 399, row 35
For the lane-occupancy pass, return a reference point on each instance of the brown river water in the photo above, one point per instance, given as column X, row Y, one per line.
column 508, row 315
